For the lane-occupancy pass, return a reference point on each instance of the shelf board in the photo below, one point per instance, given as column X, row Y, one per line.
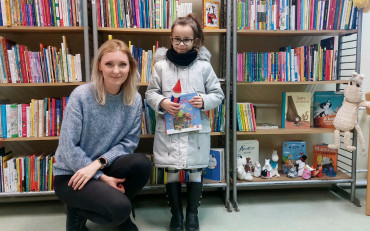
column 293, row 83
column 27, row 194
column 41, row 84
column 284, row 131
column 284, row 180
column 143, row 136
column 153, row 31
column 41, row 29
column 295, row 32
column 47, row 138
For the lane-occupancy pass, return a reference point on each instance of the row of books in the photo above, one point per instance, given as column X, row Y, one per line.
column 41, row 13
column 245, row 117
column 316, row 62
column 49, row 65
column 145, row 61
column 216, row 118
column 140, row 13
column 297, row 14
column 214, row 172
column 39, row 118
column 290, row 151
column 26, row 173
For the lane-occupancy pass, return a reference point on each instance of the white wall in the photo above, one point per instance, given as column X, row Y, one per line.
column 364, row 119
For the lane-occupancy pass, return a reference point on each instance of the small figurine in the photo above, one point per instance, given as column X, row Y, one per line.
column 266, row 170
column 242, row 175
column 301, row 163
column 329, row 169
column 176, row 92
column 346, row 117
column 257, row 169
column 292, row 172
column 307, row 172
column 274, row 164
column 317, row 172
column 286, row 166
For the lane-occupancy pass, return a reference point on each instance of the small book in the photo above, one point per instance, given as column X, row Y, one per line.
column 215, row 169
column 187, row 119
column 293, row 150
column 211, row 14
column 266, row 126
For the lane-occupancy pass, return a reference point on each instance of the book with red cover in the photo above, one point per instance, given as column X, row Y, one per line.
column 324, row 156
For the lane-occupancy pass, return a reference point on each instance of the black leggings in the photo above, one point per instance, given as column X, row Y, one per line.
column 102, row 203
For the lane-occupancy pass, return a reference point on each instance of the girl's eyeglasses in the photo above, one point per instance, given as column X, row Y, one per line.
column 186, row 42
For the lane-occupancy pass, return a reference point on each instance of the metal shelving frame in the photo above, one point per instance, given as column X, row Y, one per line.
column 345, row 158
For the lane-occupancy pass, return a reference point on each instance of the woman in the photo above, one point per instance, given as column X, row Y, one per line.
column 96, row 173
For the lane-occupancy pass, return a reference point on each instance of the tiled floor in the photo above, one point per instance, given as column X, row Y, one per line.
column 260, row 210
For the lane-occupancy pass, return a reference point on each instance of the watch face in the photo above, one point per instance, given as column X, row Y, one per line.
column 102, row 161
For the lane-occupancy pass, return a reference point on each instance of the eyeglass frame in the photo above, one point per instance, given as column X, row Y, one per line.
column 182, row 41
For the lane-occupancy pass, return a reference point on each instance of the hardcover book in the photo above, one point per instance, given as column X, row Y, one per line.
column 324, row 156
column 293, row 150
column 325, row 107
column 215, row 169
column 211, row 14
column 296, row 110
column 187, row 119
column 248, row 149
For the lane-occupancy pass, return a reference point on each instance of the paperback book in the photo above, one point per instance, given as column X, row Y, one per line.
column 325, row 107
column 215, row 170
column 186, row 120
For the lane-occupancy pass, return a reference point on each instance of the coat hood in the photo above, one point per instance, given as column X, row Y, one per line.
column 203, row 54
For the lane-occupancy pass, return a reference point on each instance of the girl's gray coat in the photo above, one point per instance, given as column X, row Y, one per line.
column 183, row 150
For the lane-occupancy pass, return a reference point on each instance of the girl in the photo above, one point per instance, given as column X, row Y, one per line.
column 188, row 61
column 96, row 174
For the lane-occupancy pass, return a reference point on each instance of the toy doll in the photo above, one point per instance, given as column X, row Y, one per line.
column 307, row 172
column 301, row 163
column 266, row 170
column 257, row 169
column 292, row 172
column 274, row 164
column 346, row 118
column 317, row 172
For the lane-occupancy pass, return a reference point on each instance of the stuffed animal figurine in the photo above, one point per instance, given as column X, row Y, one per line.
column 301, row 163
column 266, row 170
column 240, row 168
column 307, row 172
column 257, row 169
column 346, row 118
column 274, row 164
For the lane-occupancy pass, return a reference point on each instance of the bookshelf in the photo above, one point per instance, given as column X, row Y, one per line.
column 77, row 38
column 269, row 93
column 216, row 40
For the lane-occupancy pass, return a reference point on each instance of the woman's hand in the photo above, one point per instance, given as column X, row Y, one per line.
column 197, row 101
column 170, row 107
column 82, row 176
column 114, row 182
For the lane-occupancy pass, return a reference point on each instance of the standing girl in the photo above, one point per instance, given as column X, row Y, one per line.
column 96, row 173
column 188, row 61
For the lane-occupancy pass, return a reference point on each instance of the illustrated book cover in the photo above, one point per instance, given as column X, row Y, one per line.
column 293, row 150
column 215, row 170
column 324, row 156
column 325, row 107
column 211, row 14
column 296, row 110
column 248, row 149
column 187, row 119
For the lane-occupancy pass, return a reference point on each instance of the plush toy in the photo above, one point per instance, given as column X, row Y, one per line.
column 257, row 169
column 346, row 118
column 240, row 168
column 274, row 164
column 307, row 172
column 362, row 4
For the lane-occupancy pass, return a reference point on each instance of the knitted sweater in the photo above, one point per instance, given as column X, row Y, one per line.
column 90, row 130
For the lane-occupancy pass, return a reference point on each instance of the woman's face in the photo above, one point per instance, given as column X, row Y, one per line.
column 184, row 33
column 115, row 68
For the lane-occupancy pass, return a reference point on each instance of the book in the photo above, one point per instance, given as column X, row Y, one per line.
column 296, row 110
column 325, row 107
column 215, row 170
column 293, row 150
column 266, row 126
column 211, row 14
column 248, row 149
column 324, row 156
column 187, row 119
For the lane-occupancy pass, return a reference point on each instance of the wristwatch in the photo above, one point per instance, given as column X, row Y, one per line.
column 103, row 161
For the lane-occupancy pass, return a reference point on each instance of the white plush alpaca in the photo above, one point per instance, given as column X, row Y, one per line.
column 301, row 165
column 240, row 164
column 346, row 118
column 257, row 169
column 266, row 169
column 274, row 164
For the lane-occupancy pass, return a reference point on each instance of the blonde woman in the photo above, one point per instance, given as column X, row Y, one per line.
column 96, row 173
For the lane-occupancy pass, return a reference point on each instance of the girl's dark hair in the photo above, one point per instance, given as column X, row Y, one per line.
column 194, row 24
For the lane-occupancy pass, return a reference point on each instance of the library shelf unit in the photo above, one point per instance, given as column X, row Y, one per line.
column 265, row 93
column 218, row 41
column 77, row 38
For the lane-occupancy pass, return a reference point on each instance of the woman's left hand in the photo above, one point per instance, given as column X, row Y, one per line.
column 197, row 101
column 82, row 176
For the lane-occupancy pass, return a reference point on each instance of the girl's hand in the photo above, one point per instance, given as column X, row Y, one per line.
column 197, row 101
column 82, row 176
column 114, row 182
column 170, row 107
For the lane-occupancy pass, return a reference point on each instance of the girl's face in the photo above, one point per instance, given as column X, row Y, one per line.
column 182, row 38
column 115, row 68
